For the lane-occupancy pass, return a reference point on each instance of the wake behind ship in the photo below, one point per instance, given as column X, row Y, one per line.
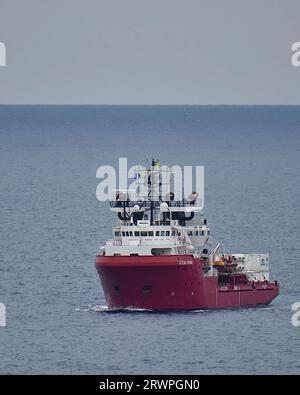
column 162, row 257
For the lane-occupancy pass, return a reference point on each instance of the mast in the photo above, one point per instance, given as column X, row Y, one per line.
column 151, row 185
column 152, row 191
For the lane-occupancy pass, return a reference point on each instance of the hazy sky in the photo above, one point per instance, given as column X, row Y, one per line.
column 149, row 52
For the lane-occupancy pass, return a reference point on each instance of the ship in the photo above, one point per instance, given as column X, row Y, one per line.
column 162, row 257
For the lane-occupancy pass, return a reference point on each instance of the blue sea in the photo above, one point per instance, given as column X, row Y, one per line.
column 51, row 226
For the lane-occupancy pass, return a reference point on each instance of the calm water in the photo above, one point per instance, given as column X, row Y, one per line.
column 52, row 226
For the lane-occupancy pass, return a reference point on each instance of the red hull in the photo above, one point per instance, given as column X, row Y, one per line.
column 173, row 282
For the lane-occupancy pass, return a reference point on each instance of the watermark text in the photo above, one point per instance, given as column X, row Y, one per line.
column 2, row 315
column 296, row 315
column 296, row 55
column 2, row 54
column 158, row 182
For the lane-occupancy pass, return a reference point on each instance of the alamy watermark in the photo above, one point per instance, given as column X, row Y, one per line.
column 296, row 315
column 2, row 315
column 296, row 55
column 182, row 182
column 2, row 54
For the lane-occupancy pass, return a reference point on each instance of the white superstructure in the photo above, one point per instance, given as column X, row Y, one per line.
column 162, row 225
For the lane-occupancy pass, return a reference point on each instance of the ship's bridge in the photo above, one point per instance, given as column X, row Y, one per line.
column 146, row 239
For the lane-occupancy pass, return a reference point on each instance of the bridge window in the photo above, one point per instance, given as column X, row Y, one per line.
column 150, row 233
column 117, row 234
column 173, row 232
column 127, row 234
column 143, row 233
column 196, row 233
column 190, row 233
column 130, row 233
column 136, row 233
column 167, row 233
column 157, row 233
column 162, row 233
column 123, row 233
column 202, row 233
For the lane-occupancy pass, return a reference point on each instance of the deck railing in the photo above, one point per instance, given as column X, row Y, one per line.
column 155, row 203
